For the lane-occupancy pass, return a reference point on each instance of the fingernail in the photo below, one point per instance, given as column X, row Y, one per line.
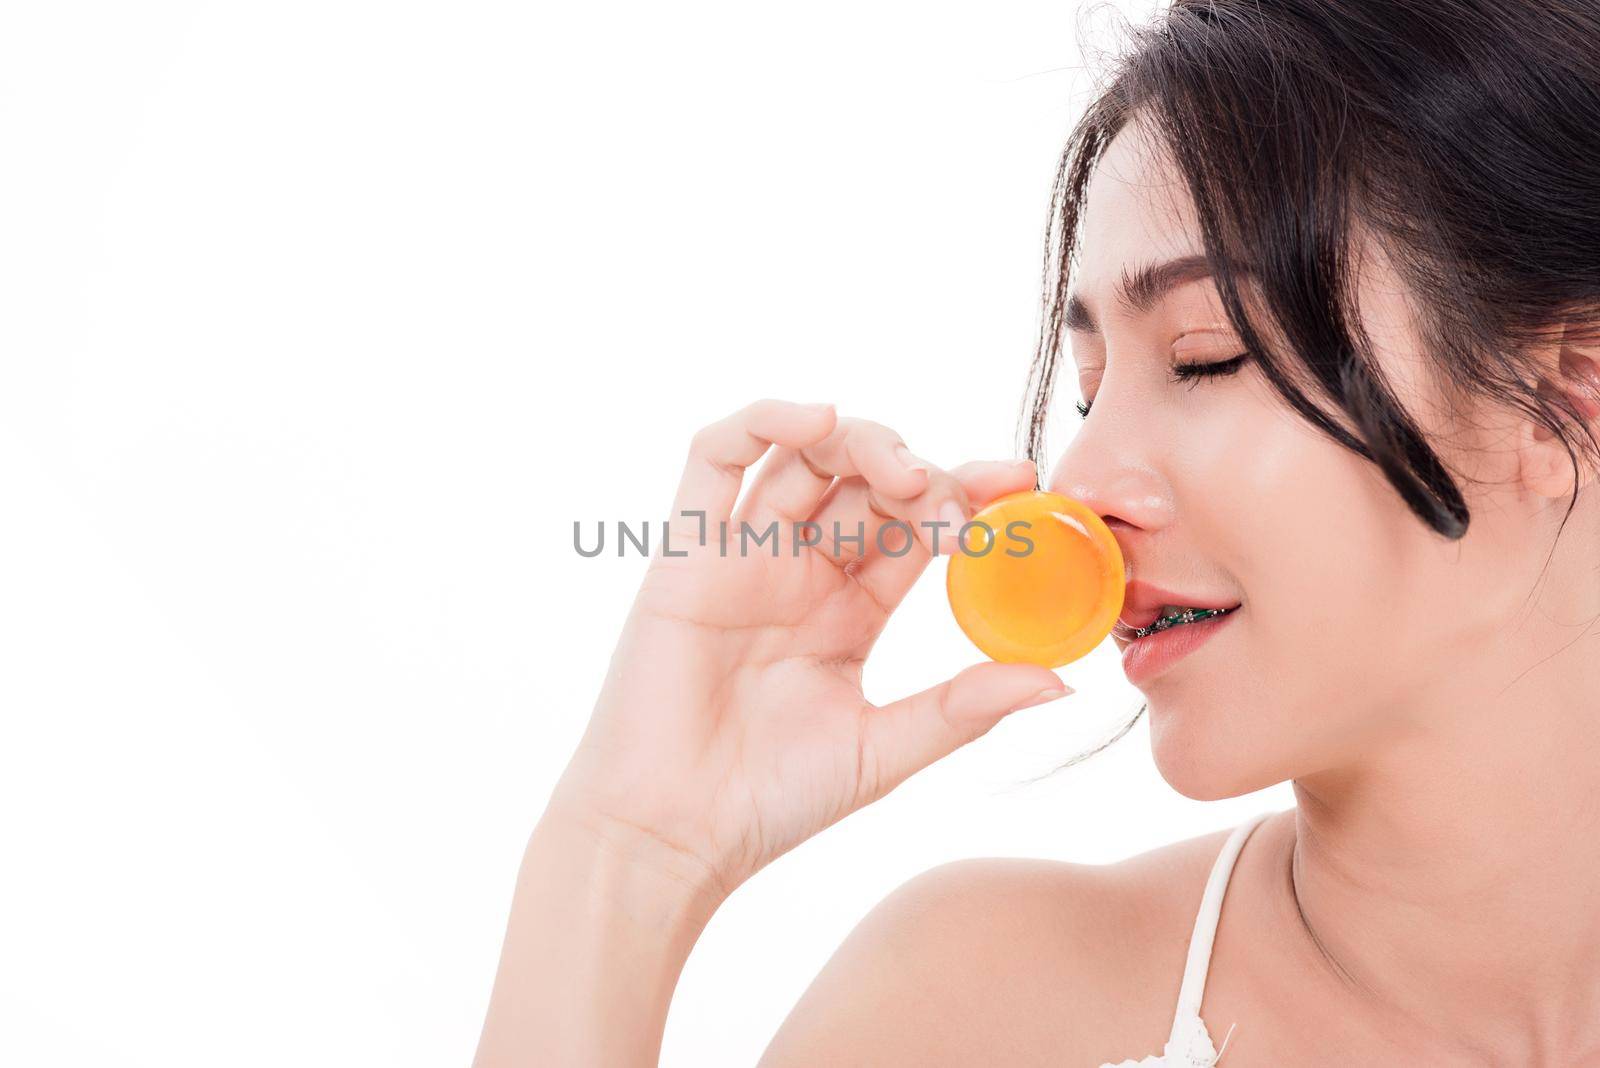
column 951, row 513
column 821, row 407
column 1024, row 462
column 1042, row 696
column 904, row 455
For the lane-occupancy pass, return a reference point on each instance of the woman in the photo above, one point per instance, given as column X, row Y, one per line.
column 1330, row 271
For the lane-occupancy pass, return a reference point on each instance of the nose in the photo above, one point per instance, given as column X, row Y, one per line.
column 1119, row 479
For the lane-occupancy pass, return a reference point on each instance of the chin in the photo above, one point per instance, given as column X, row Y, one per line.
column 1200, row 757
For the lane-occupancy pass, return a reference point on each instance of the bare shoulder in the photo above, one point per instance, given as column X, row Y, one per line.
column 1008, row 960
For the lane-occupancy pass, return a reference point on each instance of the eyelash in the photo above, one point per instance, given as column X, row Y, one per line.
column 1182, row 372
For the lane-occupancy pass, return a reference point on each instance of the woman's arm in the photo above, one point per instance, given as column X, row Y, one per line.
column 602, row 921
column 731, row 724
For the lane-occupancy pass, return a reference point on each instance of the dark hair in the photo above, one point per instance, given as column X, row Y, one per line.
column 1464, row 135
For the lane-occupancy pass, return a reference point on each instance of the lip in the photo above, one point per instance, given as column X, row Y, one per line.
column 1145, row 658
column 1142, row 601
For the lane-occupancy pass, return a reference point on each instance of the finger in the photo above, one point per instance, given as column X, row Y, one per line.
column 935, row 515
column 720, row 452
column 888, row 577
column 987, row 480
column 786, row 487
column 911, row 733
column 791, row 484
column 972, row 486
column 851, row 528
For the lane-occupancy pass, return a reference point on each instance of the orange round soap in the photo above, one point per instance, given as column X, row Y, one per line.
column 1036, row 577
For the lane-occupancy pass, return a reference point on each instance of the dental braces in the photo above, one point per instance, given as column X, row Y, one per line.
column 1188, row 615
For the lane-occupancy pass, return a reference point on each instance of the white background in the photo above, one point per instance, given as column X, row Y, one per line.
column 321, row 323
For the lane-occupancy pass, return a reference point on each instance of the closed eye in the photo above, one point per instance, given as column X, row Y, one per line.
column 1185, row 372
column 1182, row 372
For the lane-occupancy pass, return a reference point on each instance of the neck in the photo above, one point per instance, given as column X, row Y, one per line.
column 1449, row 883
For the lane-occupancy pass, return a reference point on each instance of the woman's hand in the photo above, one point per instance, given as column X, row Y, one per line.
column 731, row 725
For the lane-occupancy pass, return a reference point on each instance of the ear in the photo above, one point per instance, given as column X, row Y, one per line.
column 1570, row 365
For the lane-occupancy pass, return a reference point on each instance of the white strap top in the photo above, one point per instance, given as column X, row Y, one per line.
column 1189, row 1044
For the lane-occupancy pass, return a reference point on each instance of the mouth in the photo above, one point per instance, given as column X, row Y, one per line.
column 1171, row 616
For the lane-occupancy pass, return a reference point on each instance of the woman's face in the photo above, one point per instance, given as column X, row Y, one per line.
column 1359, row 625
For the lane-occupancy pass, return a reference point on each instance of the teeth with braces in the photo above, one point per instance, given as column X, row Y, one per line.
column 1188, row 615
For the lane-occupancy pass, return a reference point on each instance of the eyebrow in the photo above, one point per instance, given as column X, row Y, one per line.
column 1138, row 291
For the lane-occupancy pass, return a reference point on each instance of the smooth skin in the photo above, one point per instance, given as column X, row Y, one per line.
column 1432, row 897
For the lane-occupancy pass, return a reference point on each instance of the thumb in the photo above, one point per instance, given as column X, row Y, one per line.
column 911, row 733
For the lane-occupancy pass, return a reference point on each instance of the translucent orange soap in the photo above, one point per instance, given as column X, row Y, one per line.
column 1037, row 577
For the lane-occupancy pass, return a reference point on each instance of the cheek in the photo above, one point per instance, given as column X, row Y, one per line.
column 1350, row 590
column 1354, row 607
column 1336, row 577
column 1306, row 528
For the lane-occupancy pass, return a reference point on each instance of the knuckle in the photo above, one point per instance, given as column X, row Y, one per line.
column 871, row 428
column 947, row 483
column 971, row 469
column 811, row 464
column 848, row 426
column 700, row 441
column 942, row 484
